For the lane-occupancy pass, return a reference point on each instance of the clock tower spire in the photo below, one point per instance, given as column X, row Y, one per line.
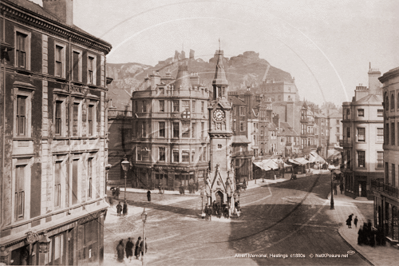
column 221, row 178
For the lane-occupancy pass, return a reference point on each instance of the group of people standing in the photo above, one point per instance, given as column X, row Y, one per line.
column 220, row 209
column 121, row 210
column 130, row 249
column 368, row 235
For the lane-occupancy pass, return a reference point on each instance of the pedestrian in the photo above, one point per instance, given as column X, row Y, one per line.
column 209, row 213
column 129, row 249
column 355, row 221
column 143, row 249
column 341, row 187
column 360, row 236
column 124, row 208
column 117, row 192
column 119, row 209
column 149, row 195
column 120, row 251
column 349, row 221
column 137, row 249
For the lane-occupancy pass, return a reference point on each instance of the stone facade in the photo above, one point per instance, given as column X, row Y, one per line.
column 170, row 143
column 363, row 138
column 386, row 191
column 53, row 125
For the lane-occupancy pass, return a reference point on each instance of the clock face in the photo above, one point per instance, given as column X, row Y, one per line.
column 218, row 115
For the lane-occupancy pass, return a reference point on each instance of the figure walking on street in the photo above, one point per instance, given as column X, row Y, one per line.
column 124, row 208
column 341, row 187
column 149, row 195
column 349, row 221
column 355, row 221
column 117, row 192
column 120, row 251
column 129, row 249
column 137, row 250
column 143, row 249
column 119, row 209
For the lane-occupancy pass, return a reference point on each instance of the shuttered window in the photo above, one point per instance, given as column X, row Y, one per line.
column 58, row 118
column 21, row 49
column 58, row 61
column 57, row 184
column 21, row 115
column 76, row 66
column 75, row 171
column 19, row 192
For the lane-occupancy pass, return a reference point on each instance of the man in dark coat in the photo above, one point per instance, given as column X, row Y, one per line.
column 117, row 192
column 355, row 221
column 124, row 208
column 209, row 213
column 142, row 250
column 149, row 195
column 341, row 187
column 137, row 250
column 129, row 249
column 120, row 251
column 119, row 209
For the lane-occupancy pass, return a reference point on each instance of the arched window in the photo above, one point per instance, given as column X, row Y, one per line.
column 386, row 102
column 392, row 101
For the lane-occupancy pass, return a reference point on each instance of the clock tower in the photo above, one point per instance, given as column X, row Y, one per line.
column 220, row 183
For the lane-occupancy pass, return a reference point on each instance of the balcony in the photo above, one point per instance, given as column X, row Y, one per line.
column 345, row 143
column 385, row 188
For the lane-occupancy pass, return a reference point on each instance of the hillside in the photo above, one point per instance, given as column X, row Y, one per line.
column 244, row 69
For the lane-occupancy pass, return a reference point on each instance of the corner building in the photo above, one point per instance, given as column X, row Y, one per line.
column 53, row 128
column 363, row 138
column 386, row 190
column 170, row 136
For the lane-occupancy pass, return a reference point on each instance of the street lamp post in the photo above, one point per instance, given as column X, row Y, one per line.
column 125, row 167
column 144, row 219
column 332, row 193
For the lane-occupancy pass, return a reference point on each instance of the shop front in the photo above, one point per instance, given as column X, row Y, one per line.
column 76, row 242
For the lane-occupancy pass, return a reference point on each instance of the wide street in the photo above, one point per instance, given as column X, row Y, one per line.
column 289, row 222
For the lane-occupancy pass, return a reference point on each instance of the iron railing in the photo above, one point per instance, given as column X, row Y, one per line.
column 386, row 188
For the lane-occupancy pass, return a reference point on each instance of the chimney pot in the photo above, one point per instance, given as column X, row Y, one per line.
column 62, row 9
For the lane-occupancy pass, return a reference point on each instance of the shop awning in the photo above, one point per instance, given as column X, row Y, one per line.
column 314, row 157
column 267, row 165
column 299, row 161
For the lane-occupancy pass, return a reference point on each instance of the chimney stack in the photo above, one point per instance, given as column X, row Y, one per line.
column 62, row 9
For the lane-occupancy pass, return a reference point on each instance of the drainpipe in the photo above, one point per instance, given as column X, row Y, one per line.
column 4, row 130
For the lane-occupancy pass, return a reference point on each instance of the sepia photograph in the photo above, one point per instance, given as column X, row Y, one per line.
column 199, row 132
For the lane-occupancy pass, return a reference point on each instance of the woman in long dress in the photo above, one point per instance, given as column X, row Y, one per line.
column 120, row 251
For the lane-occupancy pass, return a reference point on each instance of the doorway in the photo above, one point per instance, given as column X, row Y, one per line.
column 219, row 198
column 362, row 189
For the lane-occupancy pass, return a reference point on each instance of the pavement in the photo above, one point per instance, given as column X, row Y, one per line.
column 251, row 184
column 344, row 206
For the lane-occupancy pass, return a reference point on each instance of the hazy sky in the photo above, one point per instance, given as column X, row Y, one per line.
column 325, row 44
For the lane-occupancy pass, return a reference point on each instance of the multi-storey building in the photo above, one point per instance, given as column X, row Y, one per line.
column 363, row 135
column 288, row 140
column 280, row 91
column 265, row 118
column 386, row 191
column 170, row 141
column 53, row 123
column 120, row 130
column 244, row 143
column 307, row 121
column 335, row 119
column 321, row 133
